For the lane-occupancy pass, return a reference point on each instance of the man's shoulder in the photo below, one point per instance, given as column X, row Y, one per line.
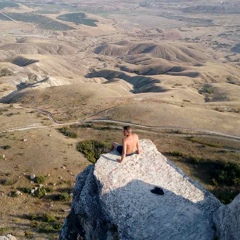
column 135, row 135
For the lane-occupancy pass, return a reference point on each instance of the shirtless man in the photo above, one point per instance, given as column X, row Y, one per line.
column 130, row 144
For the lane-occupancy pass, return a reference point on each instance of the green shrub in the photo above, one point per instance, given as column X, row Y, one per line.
column 50, row 218
column 86, row 125
column 220, row 173
column 214, row 182
column 5, row 147
column 226, row 173
column 40, row 192
column 202, row 141
column 68, row 132
column 40, row 179
column 176, row 154
column 50, row 227
column 28, row 234
column 92, row 149
column 42, row 217
column 224, row 195
column 194, row 159
column 207, row 89
column 65, row 197
column 34, row 224
column 4, row 230
column 45, row 223
column 26, row 190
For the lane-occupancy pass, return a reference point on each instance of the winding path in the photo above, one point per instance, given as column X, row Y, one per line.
column 164, row 127
column 89, row 120
column 5, row 15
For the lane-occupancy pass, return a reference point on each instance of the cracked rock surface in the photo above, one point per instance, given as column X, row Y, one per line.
column 227, row 220
column 114, row 200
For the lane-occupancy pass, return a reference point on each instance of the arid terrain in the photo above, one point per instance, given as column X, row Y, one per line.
column 172, row 70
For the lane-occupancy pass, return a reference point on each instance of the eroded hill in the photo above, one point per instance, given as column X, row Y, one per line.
column 150, row 64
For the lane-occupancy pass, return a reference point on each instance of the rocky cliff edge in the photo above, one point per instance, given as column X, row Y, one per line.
column 114, row 200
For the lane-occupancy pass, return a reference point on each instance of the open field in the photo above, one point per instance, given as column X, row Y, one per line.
column 169, row 69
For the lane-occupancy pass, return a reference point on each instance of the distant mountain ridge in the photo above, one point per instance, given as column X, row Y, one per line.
column 224, row 8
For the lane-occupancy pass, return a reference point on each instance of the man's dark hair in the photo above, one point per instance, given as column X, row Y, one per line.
column 127, row 128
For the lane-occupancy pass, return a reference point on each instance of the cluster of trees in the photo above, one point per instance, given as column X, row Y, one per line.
column 42, row 21
column 78, row 18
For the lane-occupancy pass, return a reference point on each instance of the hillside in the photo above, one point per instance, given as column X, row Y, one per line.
column 77, row 71
column 165, row 50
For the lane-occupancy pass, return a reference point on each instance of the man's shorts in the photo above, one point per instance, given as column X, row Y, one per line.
column 119, row 149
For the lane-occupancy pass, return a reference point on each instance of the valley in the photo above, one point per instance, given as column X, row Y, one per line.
column 171, row 70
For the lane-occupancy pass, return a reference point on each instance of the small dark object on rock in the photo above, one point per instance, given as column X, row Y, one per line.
column 158, row 191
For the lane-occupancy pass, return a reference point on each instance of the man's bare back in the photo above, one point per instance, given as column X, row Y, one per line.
column 130, row 144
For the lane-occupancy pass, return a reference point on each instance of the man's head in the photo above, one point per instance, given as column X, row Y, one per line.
column 127, row 130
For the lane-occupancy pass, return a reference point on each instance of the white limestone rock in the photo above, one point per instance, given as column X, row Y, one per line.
column 8, row 237
column 32, row 176
column 227, row 220
column 114, row 201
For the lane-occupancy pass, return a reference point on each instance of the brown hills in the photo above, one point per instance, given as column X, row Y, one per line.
column 181, row 74
column 165, row 50
column 145, row 63
column 38, row 48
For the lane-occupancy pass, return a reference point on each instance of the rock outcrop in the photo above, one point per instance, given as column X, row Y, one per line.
column 227, row 220
column 114, row 200
column 8, row 237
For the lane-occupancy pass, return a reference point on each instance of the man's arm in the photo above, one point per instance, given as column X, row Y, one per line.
column 138, row 146
column 123, row 151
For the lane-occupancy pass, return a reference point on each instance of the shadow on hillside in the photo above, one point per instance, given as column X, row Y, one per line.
column 140, row 83
column 24, row 85
column 23, row 62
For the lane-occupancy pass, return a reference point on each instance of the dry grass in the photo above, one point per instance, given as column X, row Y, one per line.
column 173, row 70
column 43, row 152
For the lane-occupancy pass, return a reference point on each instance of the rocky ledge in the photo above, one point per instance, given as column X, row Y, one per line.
column 8, row 237
column 144, row 197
